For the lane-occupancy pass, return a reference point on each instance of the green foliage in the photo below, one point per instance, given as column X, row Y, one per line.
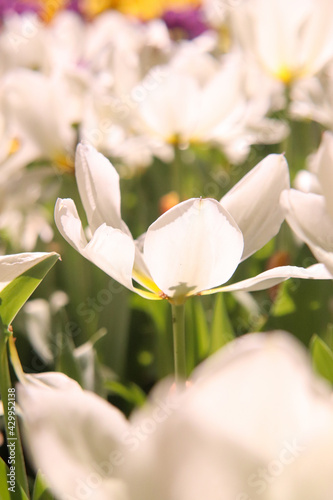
column 322, row 358
column 221, row 331
column 130, row 393
column 41, row 491
column 17, row 292
column 16, row 492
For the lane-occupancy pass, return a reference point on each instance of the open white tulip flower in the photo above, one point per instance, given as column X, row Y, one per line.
column 194, row 248
column 290, row 39
column 310, row 215
column 255, row 424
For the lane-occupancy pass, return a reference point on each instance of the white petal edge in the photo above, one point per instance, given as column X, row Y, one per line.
column 254, row 202
column 69, row 224
column 307, row 215
column 12, row 266
column 194, row 246
column 80, row 433
column 325, row 169
column 98, row 184
column 274, row 276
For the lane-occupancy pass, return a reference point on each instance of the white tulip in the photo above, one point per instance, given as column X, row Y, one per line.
column 290, row 39
column 256, row 423
column 191, row 249
column 310, row 215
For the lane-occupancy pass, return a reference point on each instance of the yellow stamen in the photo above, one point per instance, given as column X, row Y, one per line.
column 14, row 146
column 65, row 163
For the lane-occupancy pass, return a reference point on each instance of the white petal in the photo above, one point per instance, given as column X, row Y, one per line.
column 325, row 169
column 98, row 184
column 307, row 182
column 36, row 102
column 113, row 252
column 254, row 202
column 170, row 109
column 288, row 376
column 12, row 266
column 276, row 406
column 69, row 223
column 307, row 215
column 110, row 249
column 194, row 246
column 250, row 407
column 274, row 276
column 55, row 380
column 227, row 83
column 75, row 439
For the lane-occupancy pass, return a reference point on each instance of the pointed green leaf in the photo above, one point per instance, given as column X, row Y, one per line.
column 41, row 491
column 222, row 331
column 196, row 324
column 15, row 492
column 131, row 393
column 322, row 358
column 66, row 361
column 19, row 276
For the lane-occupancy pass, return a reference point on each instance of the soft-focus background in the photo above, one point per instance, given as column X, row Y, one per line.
column 184, row 97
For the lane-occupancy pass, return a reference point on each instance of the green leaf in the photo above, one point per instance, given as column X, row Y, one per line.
column 221, row 331
column 66, row 361
column 322, row 358
column 14, row 295
column 41, row 491
column 131, row 393
column 16, row 492
column 202, row 335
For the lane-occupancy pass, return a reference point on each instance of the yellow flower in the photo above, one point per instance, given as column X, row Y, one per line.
column 143, row 9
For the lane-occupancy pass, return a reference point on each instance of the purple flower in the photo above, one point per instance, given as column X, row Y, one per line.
column 190, row 22
column 18, row 6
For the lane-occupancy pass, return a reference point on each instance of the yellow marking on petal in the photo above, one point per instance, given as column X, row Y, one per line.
column 147, row 295
column 145, row 281
column 14, row 146
column 65, row 163
column 16, row 360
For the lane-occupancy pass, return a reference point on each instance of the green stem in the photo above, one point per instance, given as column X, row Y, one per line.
column 177, row 167
column 178, row 325
column 12, row 431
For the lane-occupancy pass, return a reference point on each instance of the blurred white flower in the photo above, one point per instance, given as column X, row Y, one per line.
column 312, row 98
column 23, row 217
column 202, row 99
column 256, row 423
column 192, row 248
column 289, row 38
column 38, row 316
column 307, row 180
column 22, row 42
column 36, row 106
column 310, row 215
